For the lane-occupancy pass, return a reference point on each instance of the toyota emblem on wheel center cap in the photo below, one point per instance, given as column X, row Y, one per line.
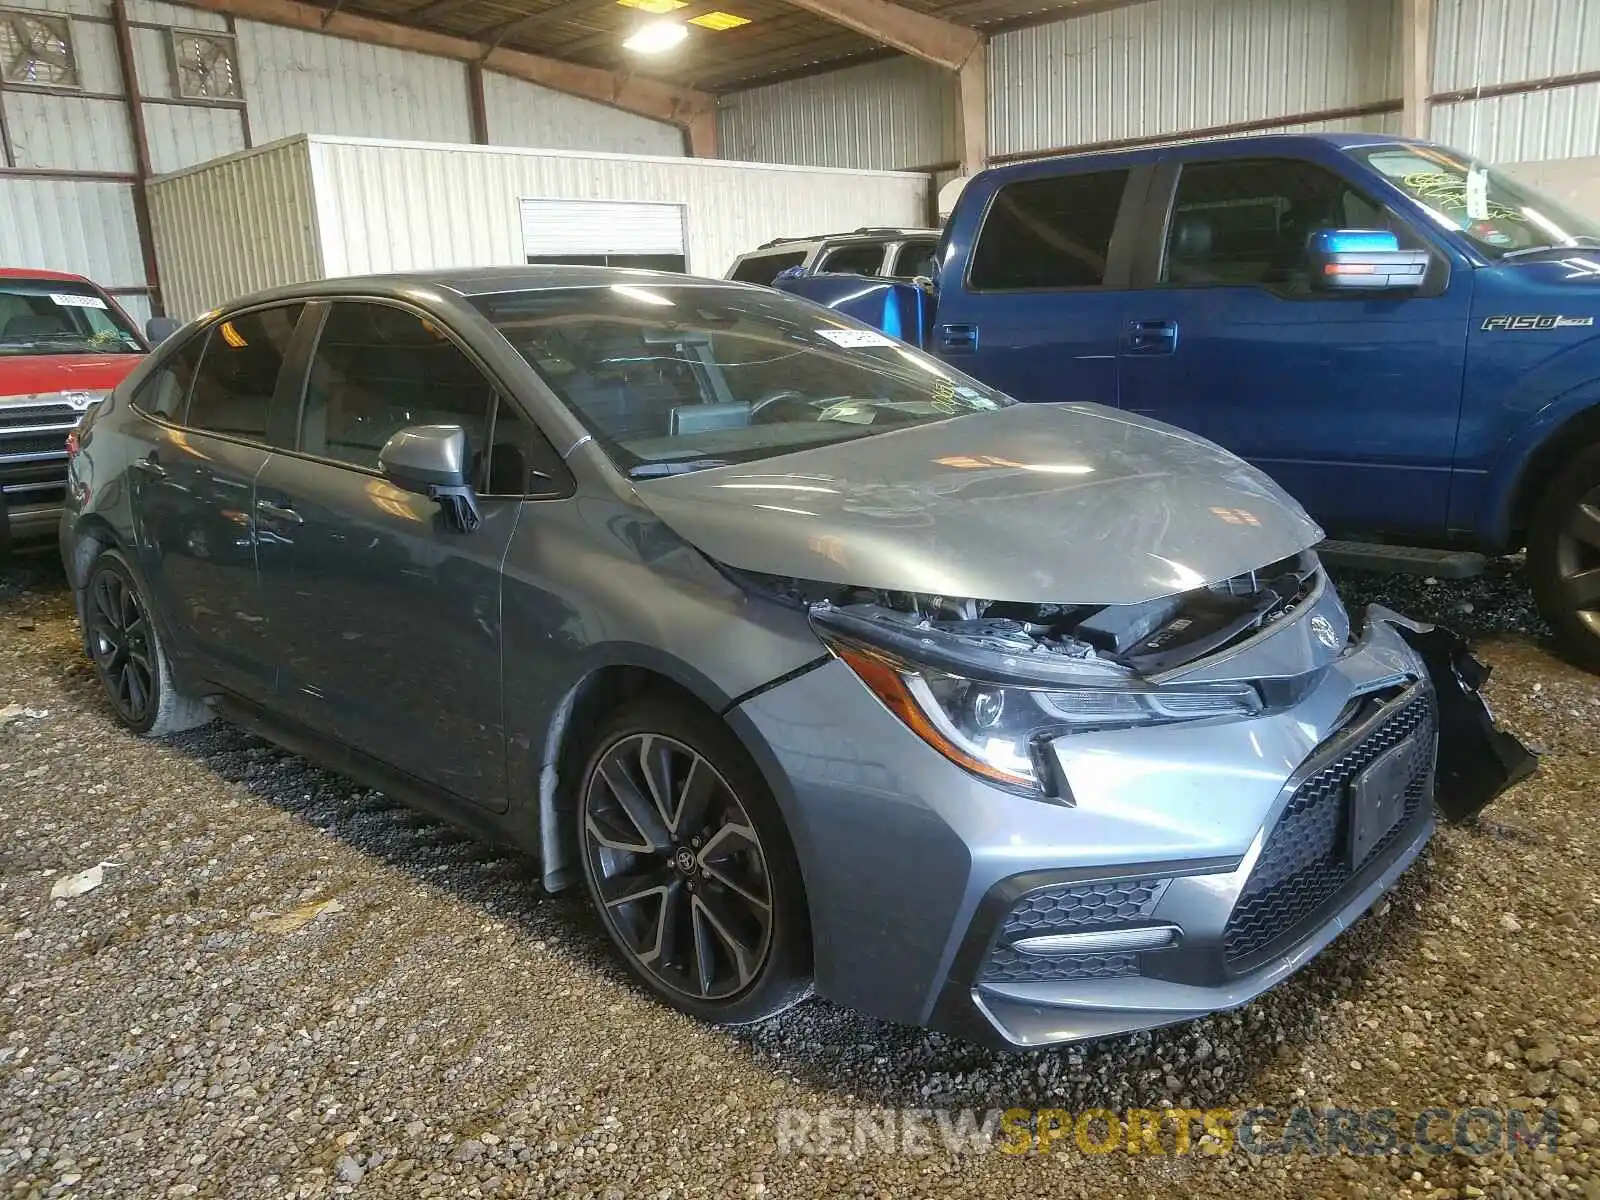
column 684, row 859
column 1322, row 630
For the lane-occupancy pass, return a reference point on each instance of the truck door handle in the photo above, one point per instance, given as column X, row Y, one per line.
column 1152, row 337
column 278, row 512
column 959, row 339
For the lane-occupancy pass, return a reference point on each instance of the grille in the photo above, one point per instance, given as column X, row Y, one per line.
column 1303, row 865
column 14, row 415
column 1069, row 909
column 1059, row 909
column 1006, row 965
column 54, row 442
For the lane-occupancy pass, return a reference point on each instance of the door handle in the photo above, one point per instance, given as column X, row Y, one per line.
column 149, row 466
column 959, row 339
column 1152, row 337
column 278, row 512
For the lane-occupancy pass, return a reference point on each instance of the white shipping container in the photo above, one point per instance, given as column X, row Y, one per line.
column 313, row 206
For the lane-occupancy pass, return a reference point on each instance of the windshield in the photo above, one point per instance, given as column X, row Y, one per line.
column 1502, row 217
column 47, row 316
column 672, row 378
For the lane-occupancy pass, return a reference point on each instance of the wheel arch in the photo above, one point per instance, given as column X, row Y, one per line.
column 625, row 674
column 1563, row 431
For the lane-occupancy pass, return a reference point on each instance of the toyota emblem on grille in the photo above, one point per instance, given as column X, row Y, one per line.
column 79, row 400
column 1322, row 630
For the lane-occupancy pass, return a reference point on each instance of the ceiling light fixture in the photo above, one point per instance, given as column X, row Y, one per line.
column 719, row 20
column 656, row 37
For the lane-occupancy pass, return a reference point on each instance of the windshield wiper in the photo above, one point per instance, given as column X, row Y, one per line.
column 656, row 470
column 1549, row 246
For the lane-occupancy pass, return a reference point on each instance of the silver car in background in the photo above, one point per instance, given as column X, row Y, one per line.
column 816, row 662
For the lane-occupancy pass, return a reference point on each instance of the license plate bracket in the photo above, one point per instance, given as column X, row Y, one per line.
column 1378, row 800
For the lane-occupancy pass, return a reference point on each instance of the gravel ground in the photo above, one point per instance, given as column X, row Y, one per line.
column 289, row 986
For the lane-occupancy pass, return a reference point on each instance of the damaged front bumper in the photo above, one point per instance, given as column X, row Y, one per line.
column 1196, row 866
column 1477, row 759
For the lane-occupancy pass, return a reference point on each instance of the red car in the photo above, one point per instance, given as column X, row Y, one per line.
column 64, row 344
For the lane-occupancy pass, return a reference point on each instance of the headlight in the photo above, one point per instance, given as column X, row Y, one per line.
column 1001, row 732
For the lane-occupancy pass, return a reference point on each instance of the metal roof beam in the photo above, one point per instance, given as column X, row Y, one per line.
column 915, row 33
column 653, row 98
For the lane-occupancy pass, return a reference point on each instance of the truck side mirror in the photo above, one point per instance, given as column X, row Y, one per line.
column 159, row 329
column 1363, row 260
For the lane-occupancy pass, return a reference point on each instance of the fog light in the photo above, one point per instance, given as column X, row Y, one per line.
column 1100, row 941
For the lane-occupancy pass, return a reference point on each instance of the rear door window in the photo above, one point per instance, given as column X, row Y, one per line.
column 915, row 259
column 1050, row 233
column 238, row 372
column 166, row 393
column 862, row 258
column 764, row 268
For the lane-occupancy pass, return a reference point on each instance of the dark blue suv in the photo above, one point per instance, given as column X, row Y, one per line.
column 1401, row 336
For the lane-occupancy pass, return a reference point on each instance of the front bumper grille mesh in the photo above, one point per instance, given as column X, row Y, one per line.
column 1075, row 908
column 1303, row 865
column 1007, row 965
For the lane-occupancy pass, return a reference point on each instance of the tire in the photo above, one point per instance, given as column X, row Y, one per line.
column 1564, row 558
column 679, row 884
column 129, row 656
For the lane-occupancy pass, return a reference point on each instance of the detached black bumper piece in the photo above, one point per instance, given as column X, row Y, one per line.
column 1477, row 759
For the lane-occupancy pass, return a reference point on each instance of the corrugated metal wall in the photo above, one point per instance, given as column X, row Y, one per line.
column 523, row 114
column 292, row 82
column 70, row 225
column 888, row 115
column 1480, row 43
column 388, row 207
column 299, row 82
column 1170, row 66
column 235, row 226
column 1494, row 43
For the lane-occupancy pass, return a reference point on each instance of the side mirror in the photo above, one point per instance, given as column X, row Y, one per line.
column 790, row 273
column 159, row 329
column 432, row 461
column 1363, row 260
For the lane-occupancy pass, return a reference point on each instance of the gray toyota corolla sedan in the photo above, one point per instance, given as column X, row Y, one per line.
column 818, row 663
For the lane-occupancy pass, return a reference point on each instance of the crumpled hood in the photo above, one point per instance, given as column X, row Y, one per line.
column 1035, row 504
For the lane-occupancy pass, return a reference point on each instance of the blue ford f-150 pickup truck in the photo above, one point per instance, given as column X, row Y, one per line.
column 1403, row 337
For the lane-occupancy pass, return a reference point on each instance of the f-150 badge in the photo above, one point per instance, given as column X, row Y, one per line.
column 1533, row 321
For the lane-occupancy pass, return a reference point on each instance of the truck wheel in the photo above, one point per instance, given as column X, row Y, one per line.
column 1564, row 558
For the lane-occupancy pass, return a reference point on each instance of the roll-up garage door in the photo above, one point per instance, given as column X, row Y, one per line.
column 604, row 232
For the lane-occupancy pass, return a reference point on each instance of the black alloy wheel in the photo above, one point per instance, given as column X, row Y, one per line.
column 1578, row 560
column 1564, row 558
column 679, row 867
column 122, row 645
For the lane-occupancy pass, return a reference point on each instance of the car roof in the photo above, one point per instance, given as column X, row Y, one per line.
column 39, row 273
column 885, row 234
column 1267, row 143
column 474, row 281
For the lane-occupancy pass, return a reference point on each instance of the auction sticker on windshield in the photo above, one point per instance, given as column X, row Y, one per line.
column 74, row 300
column 853, row 339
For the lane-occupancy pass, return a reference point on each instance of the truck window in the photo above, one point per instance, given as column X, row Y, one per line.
column 916, row 258
column 764, row 268
column 1048, row 233
column 47, row 316
column 862, row 258
column 1240, row 222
